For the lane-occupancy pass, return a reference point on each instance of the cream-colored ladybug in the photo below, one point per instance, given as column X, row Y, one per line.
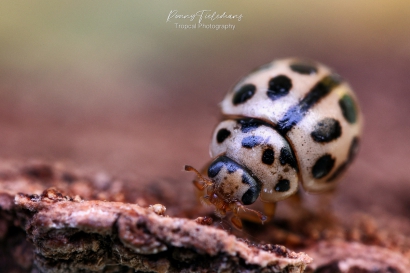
column 288, row 121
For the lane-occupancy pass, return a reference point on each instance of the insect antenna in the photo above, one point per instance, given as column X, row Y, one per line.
column 205, row 181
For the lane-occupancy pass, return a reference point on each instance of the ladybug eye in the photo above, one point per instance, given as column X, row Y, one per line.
column 250, row 196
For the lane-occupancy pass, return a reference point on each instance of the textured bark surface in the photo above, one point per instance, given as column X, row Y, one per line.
column 54, row 232
column 47, row 225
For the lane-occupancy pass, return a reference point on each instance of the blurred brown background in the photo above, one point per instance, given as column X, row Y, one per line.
column 113, row 86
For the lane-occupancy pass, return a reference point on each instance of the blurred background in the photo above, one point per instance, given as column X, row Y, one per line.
column 114, row 86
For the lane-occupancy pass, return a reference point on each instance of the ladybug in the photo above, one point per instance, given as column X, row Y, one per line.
column 288, row 121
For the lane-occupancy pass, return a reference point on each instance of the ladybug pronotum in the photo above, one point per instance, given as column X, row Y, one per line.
column 290, row 120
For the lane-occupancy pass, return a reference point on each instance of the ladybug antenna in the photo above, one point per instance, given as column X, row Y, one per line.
column 203, row 181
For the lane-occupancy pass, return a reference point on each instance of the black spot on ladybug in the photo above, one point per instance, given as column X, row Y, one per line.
column 296, row 113
column 326, row 130
column 279, row 86
column 339, row 171
column 268, row 156
column 250, row 124
column 222, row 135
column 348, row 107
column 282, row 186
column 323, row 166
column 287, row 157
column 251, row 141
column 354, row 148
column 243, row 94
column 252, row 193
column 303, row 68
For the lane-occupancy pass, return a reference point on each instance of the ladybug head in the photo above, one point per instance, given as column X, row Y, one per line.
column 233, row 182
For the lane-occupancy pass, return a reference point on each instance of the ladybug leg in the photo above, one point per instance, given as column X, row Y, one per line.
column 269, row 210
column 236, row 221
column 242, row 212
